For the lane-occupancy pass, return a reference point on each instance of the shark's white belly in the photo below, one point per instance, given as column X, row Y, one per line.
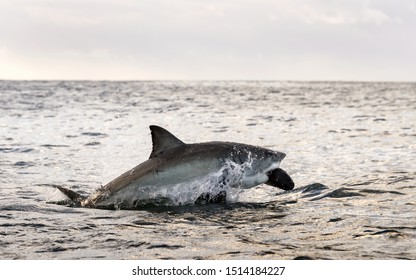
column 180, row 183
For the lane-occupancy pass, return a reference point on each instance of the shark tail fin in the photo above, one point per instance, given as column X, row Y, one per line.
column 72, row 195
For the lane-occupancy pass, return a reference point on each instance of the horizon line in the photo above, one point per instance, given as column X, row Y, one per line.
column 209, row 80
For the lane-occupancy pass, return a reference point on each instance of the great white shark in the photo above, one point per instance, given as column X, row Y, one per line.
column 204, row 170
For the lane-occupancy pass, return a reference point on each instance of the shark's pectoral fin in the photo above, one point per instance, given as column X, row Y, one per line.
column 75, row 197
column 279, row 178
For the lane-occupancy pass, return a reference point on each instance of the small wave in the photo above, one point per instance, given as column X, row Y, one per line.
column 371, row 191
column 339, row 193
column 94, row 143
column 16, row 150
column 165, row 246
column 24, row 164
column 32, row 225
column 386, row 232
column 51, row 146
column 94, row 134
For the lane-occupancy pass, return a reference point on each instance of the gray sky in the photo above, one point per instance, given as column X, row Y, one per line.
column 201, row 39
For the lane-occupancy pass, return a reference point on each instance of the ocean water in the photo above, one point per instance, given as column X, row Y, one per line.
column 351, row 150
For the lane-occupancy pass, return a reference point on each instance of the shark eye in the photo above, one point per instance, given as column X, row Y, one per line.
column 268, row 154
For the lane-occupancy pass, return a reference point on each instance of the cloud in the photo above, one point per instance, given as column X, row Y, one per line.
column 333, row 12
column 184, row 39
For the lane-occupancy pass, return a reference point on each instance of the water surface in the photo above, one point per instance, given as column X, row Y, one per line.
column 351, row 150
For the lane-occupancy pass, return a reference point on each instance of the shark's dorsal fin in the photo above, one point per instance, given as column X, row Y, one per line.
column 163, row 140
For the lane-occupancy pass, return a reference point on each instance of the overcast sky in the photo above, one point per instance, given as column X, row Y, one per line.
column 201, row 39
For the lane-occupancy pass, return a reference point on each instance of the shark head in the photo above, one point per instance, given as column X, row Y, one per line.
column 266, row 163
column 257, row 163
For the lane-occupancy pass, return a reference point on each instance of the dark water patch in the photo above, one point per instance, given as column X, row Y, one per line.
column 247, row 240
column 228, row 227
column 190, row 218
column 267, row 118
column 42, row 210
column 165, row 246
column 63, row 202
column 22, row 208
column 372, row 191
column 7, row 225
column 363, row 117
column 24, row 164
column 334, row 220
column 287, row 119
column 51, row 146
column 88, row 227
column 365, row 183
column 396, row 228
column 221, row 129
column 390, row 233
column 31, row 198
column 110, row 240
column 204, row 106
column 16, row 150
column 288, row 202
column 265, row 253
column 339, row 193
column 34, row 225
column 310, row 104
column 103, row 218
column 386, row 231
column 395, row 179
column 94, row 134
column 232, row 253
column 311, row 190
column 290, row 247
column 136, row 245
column 94, row 143
column 275, row 90
column 303, row 258
column 57, row 249
column 6, row 217
column 332, row 247
column 144, row 223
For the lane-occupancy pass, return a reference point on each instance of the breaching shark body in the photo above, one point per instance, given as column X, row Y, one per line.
column 200, row 173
